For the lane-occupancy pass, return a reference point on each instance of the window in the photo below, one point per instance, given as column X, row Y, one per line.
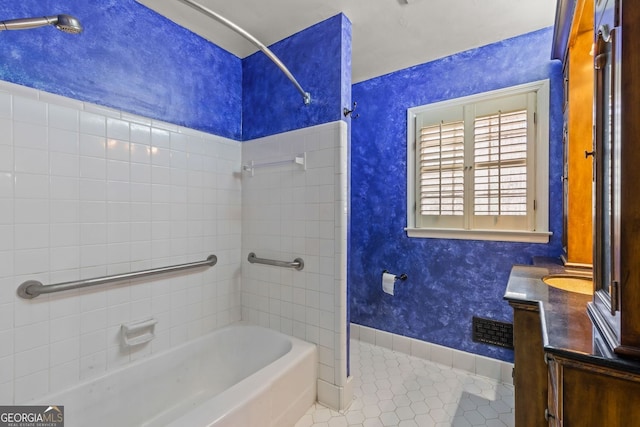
column 478, row 166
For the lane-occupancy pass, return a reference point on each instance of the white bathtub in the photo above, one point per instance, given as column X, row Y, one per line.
column 241, row 375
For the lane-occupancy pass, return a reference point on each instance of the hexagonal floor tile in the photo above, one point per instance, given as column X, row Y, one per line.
column 394, row 389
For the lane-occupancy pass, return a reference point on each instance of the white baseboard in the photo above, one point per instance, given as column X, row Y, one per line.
column 457, row 359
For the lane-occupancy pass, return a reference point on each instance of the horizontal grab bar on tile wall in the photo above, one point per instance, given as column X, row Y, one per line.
column 32, row 288
column 297, row 263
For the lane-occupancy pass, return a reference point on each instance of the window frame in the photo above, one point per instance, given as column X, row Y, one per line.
column 539, row 226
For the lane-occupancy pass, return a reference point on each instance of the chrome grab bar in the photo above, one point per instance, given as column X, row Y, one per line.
column 32, row 288
column 297, row 263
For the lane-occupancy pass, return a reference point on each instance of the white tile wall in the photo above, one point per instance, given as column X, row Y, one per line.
column 87, row 191
column 288, row 213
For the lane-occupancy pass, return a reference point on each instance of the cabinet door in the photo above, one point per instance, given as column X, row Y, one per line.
column 606, row 272
column 530, row 372
column 553, row 413
column 606, row 183
column 597, row 398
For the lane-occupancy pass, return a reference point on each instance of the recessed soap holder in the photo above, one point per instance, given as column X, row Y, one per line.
column 137, row 332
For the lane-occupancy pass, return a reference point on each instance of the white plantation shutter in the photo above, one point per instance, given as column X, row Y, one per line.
column 441, row 166
column 475, row 165
column 478, row 166
column 500, row 164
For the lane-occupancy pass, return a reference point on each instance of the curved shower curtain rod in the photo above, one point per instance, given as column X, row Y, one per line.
column 306, row 96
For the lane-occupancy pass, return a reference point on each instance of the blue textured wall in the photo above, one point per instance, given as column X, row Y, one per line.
column 449, row 280
column 129, row 58
column 133, row 59
column 319, row 57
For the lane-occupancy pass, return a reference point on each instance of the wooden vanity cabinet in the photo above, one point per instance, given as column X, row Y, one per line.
column 614, row 62
column 564, row 391
column 530, row 371
column 553, row 413
column 577, row 140
column 586, row 395
column 616, row 304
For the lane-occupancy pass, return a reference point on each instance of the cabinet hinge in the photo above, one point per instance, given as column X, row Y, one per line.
column 535, row 117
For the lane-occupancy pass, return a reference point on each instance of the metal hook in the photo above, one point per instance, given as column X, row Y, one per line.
column 348, row 112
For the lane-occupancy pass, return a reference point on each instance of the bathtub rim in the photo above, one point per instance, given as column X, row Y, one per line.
column 238, row 394
column 263, row 377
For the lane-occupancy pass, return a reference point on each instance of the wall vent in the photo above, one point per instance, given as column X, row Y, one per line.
column 493, row 332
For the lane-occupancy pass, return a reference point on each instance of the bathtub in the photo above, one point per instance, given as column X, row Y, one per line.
column 240, row 375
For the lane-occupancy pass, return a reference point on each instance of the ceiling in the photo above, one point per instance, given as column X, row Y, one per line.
column 388, row 35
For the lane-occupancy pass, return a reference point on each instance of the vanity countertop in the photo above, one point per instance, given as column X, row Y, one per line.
column 566, row 327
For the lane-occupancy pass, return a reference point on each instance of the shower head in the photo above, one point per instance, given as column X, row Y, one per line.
column 66, row 23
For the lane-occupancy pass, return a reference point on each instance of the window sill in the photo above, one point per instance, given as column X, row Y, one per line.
column 495, row 235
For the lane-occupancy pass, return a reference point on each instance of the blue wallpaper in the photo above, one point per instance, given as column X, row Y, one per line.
column 319, row 57
column 449, row 280
column 133, row 59
column 129, row 58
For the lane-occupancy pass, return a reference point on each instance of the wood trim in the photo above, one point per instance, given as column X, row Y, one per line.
column 629, row 351
column 602, row 370
column 535, row 307
column 562, row 28
column 630, row 176
column 530, row 378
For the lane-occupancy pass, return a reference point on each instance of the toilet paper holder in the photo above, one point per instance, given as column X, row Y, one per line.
column 400, row 277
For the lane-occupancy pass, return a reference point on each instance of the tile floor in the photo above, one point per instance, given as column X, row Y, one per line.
column 394, row 389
